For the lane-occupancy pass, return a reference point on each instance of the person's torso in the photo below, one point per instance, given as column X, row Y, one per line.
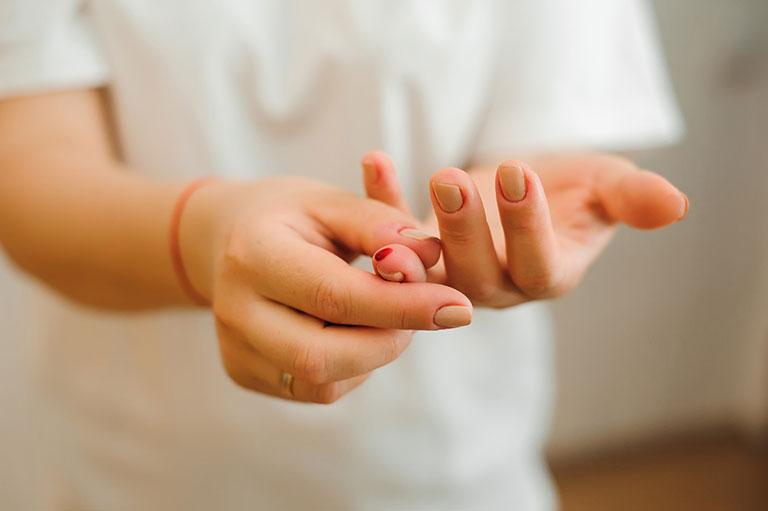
column 144, row 410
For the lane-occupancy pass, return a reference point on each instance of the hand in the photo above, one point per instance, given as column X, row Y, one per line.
column 510, row 236
column 273, row 258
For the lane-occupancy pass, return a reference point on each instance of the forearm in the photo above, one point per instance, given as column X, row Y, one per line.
column 102, row 241
column 72, row 217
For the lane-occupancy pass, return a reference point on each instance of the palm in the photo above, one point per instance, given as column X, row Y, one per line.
column 524, row 232
column 587, row 200
column 579, row 218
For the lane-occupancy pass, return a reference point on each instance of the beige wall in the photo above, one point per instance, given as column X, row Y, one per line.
column 670, row 330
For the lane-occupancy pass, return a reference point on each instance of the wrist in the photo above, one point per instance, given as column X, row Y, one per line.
column 197, row 237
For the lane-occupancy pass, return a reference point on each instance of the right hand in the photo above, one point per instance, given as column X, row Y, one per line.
column 272, row 257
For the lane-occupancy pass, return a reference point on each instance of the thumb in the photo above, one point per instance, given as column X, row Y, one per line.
column 642, row 199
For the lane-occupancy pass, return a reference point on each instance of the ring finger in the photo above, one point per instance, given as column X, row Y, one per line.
column 251, row 370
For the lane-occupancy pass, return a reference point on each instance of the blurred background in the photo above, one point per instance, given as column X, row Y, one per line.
column 663, row 395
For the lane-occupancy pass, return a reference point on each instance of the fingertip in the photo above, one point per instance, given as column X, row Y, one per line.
column 453, row 316
column 398, row 263
column 514, row 179
column 376, row 165
column 427, row 247
column 451, row 188
column 376, row 158
column 370, row 169
column 646, row 200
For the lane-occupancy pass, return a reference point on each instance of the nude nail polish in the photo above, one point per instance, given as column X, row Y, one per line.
column 392, row 277
column 448, row 197
column 512, row 181
column 452, row 316
column 416, row 234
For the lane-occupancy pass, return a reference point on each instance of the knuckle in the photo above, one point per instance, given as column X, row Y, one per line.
column 402, row 318
column 479, row 292
column 484, row 294
column 459, row 234
column 542, row 285
column 235, row 252
column 524, row 222
column 310, row 364
column 390, row 349
column 396, row 345
column 330, row 301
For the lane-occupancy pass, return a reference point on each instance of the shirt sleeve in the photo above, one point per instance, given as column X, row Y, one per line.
column 578, row 75
column 47, row 45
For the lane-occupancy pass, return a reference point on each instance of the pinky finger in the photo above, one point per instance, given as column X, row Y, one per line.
column 398, row 263
column 380, row 180
column 251, row 371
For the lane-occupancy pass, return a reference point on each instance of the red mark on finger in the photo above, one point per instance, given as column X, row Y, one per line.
column 381, row 254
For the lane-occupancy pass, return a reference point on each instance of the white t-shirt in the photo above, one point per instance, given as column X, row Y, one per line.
column 139, row 413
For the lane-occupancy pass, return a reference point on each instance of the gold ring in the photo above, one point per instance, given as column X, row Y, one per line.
column 286, row 382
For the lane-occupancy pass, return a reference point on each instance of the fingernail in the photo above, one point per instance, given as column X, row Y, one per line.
column 369, row 169
column 448, row 197
column 685, row 208
column 392, row 277
column 512, row 180
column 452, row 316
column 381, row 254
column 416, row 234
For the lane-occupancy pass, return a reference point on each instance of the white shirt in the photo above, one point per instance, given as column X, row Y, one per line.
column 139, row 411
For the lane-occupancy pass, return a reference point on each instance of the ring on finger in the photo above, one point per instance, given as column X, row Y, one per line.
column 286, row 383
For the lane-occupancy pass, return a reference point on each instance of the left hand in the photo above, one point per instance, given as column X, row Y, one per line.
column 514, row 235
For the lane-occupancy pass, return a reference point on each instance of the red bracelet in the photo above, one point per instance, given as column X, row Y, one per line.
column 173, row 238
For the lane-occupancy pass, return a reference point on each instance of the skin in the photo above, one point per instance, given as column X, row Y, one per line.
column 271, row 256
column 502, row 253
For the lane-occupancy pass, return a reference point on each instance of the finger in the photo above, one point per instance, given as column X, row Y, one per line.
column 251, row 370
column 315, row 281
column 533, row 259
column 306, row 347
column 380, row 180
column 365, row 225
column 644, row 200
column 398, row 263
column 470, row 258
column 638, row 198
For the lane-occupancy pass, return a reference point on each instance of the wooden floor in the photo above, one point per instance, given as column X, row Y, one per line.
column 715, row 475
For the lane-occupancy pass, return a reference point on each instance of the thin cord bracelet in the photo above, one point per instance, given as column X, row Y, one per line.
column 173, row 238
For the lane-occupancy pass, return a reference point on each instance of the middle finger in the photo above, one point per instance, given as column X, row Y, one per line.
column 471, row 262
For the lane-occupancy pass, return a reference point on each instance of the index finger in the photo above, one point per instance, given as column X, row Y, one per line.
column 365, row 225
column 321, row 284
